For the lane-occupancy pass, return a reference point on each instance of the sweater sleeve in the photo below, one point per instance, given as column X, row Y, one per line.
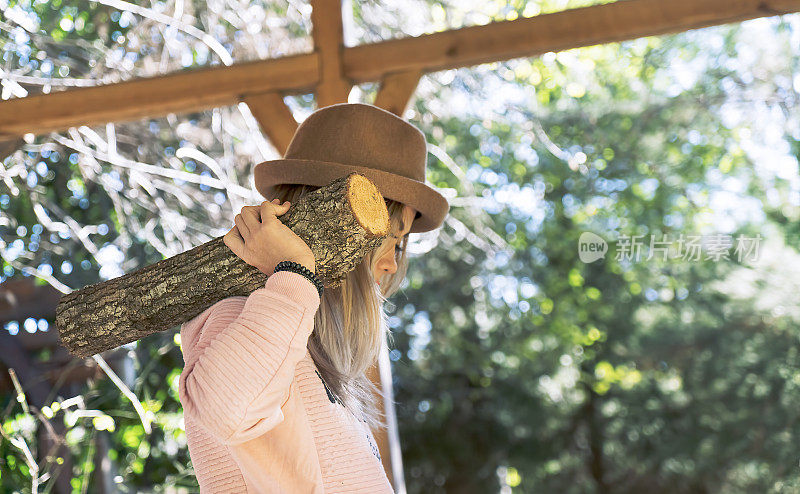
column 240, row 356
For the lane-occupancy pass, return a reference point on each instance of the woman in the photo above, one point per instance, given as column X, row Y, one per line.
column 274, row 389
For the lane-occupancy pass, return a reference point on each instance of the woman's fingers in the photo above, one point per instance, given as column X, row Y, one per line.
column 269, row 210
column 249, row 221
column 251, row 218
column 233, row 239
column 264, row 239
column 284, row 207
column 242, row 226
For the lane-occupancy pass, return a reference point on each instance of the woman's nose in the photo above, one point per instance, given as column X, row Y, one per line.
column 389, row 267
column 387, row 264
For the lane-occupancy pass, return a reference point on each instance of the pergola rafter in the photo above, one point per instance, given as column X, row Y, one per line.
column 332, row 69
column 199, row 89
column 396, row 90
column 274, row 117
column 328, row 34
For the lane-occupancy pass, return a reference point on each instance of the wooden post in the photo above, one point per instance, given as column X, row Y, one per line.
column 326, row 20
column 388, row 439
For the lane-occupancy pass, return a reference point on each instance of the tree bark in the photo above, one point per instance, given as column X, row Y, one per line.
column 341, row 223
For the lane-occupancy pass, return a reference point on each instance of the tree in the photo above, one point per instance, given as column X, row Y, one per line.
column 619, row 375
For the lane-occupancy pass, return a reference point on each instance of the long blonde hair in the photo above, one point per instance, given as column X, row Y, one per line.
column 351, row 323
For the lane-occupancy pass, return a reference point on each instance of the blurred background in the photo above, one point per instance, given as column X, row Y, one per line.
column 517, row 367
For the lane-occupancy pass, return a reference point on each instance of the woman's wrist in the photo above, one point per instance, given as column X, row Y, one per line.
column 310, row 264
column 307, row 263
column 301, row 269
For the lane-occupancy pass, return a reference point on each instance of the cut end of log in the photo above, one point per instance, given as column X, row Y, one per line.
column 368, row 205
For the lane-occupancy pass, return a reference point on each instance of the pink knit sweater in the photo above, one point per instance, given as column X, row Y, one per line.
column 258, row 417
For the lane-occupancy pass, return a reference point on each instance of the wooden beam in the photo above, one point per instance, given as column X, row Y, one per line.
column 326, row 19
column 33, row 342
column 7, row 147
column 22, row 298
column 63, row 368
column 274, row 117
column 573, row 28
column 197, row 90
column 185, row 91
column 396, row 91
column 13, row 356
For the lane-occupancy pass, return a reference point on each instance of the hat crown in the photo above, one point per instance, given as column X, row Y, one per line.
column 356, row 137
column 362, row 135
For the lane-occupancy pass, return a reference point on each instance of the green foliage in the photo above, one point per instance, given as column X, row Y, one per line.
column 614, row 376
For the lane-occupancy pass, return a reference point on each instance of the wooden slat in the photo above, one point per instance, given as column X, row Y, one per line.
column 326, row 19
column 206, row 88
column 618, row 21
column 396, row 91
column 186, row 91
column 7, row 147
column 33, row 342
column 274, row 117
column 62, row 366
column 22, row 298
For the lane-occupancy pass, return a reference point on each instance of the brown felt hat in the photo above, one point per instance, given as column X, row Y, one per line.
column 355, row 137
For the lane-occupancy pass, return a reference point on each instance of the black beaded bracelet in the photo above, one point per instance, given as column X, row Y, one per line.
column 300, row 269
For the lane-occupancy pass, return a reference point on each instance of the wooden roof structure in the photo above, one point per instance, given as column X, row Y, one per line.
column 332, row 69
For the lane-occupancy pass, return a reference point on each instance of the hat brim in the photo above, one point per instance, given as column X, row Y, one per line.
column 431, row 205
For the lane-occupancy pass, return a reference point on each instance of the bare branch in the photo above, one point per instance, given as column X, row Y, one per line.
column 137, row 405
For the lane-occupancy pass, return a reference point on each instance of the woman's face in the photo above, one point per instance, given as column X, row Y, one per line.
column 387, row 263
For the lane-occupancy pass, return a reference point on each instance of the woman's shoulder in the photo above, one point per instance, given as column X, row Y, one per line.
column 225, row 305
column 235, row 303
column 219, row 312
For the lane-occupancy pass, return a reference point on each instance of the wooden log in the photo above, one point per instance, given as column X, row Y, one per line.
column 341, row 223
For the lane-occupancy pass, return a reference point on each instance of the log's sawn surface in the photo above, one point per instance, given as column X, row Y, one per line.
column 341, row 222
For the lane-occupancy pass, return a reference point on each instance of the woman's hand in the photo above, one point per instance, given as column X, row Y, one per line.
column 262, row 241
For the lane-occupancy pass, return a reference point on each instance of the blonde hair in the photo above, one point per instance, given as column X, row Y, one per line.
column 351, row 323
